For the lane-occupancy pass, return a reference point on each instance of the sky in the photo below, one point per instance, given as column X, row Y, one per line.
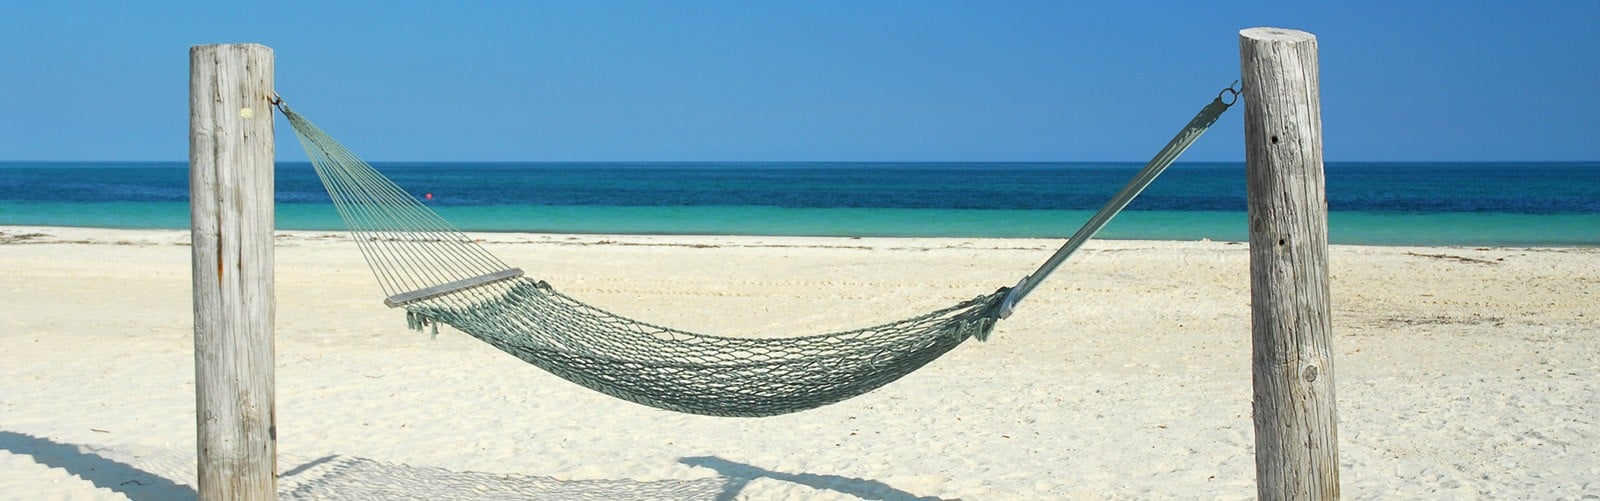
column 804, row 81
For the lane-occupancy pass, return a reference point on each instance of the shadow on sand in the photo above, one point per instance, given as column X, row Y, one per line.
column 136, row 484
column 738, row 475
column 336, row 477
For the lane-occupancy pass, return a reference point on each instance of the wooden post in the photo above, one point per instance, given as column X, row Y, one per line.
column 230, row 204
column 1295, row 419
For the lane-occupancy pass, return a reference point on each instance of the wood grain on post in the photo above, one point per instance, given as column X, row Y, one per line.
column 230, row 204
column 1295, row 417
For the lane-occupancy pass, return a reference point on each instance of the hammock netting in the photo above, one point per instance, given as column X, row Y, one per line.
column 696, row 373
column 413, row 251
column 440, row 275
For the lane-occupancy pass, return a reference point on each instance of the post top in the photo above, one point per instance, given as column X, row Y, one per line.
column 1276, row 34
column 221, row 46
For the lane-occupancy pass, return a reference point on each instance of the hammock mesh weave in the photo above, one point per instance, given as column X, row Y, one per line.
column 410, row 248
column 695, row 373
column 438, row 274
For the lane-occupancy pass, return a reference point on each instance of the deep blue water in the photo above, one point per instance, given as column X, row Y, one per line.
column 1370, row 203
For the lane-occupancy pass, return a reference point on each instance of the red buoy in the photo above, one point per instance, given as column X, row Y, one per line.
column 427, row 196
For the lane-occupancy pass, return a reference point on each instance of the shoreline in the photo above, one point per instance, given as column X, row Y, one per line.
column 1461, row 372
column 30, row 234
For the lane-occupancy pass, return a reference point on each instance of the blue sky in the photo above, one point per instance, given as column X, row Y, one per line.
column 804, row 81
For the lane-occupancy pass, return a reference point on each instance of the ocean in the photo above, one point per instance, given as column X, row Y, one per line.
column 1465, row 204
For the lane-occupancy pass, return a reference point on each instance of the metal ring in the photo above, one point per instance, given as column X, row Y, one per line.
column 1231, row 90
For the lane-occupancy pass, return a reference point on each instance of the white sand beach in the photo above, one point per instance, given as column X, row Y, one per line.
column 1461, row 373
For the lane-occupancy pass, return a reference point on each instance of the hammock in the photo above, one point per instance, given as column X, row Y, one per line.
column 440, row 275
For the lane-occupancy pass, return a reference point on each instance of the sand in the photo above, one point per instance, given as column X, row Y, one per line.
column 1461, row 373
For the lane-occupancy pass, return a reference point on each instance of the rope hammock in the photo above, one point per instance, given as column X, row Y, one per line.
column 440, row 275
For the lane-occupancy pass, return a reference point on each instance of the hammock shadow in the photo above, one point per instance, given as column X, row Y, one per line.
column 104, row 473
column 343, row 477
column 739, row 475
column 340, row 477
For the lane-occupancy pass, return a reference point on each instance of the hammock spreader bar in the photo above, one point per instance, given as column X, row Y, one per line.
column 1186, row 137
column 406, row 298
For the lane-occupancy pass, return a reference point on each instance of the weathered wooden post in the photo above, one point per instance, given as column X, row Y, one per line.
column 230, row 208
column 1295, row 418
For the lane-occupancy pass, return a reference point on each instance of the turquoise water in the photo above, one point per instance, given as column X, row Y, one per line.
column 1362, row 228
column 1374, row 204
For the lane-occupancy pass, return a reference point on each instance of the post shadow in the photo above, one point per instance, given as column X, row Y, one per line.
column 739, row 475
column 137, row 484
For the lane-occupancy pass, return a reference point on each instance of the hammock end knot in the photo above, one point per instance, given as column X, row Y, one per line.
column 1009, row 303
column 991, row 314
